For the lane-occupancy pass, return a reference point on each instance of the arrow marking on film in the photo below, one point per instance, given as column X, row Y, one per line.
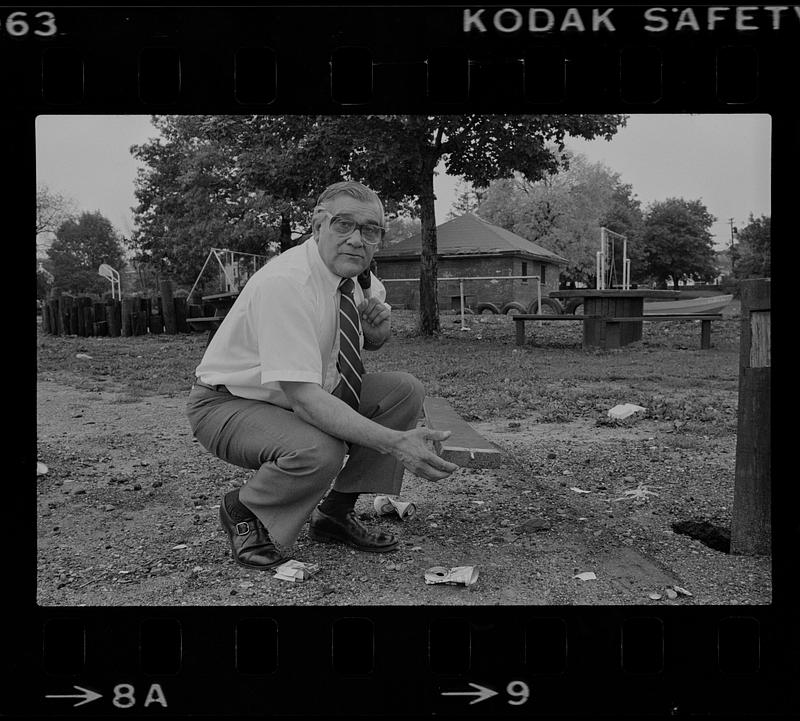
column 87, row 695
column 482, row 693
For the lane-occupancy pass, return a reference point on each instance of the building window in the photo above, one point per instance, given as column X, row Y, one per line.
column 524, row 271
column 542, row 277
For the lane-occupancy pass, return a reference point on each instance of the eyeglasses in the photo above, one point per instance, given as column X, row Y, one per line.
column 371, row 234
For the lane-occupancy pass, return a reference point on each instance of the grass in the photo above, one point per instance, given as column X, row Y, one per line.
column 481, row 372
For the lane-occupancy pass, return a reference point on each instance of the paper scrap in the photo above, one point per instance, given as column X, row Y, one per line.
column 624, row 410
column 578, row 490
column 295, row 570
column 85, row 356
column 179, row 547
column 586, row 576
column 461, row 575
column 41, row 468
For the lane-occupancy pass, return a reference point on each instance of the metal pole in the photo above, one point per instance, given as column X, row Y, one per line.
column 624, row 262
column 539, row 294
column 461, row 290
column 208, row 257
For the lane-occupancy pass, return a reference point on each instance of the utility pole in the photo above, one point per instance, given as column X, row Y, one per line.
column 734, row 232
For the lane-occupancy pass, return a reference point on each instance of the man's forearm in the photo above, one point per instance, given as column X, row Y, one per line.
column 333, row 416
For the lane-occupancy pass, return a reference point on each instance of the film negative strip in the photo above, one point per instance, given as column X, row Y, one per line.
column 324, row 655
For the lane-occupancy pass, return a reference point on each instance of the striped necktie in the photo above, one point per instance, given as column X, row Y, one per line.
column 349, row 362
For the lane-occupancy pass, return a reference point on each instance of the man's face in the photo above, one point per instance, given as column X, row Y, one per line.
column 347, row 256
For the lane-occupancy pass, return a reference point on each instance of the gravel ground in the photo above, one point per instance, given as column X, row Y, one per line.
column 128, row 514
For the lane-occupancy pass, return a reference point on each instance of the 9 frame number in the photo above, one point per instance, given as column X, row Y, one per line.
column 16, row 25
column 519, row 691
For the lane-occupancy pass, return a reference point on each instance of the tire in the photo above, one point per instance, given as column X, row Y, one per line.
column 484, row 307
column 574, row 306
column 550, row 306
column 512, row 307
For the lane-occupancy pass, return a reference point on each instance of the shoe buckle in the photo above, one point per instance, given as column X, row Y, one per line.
column 242, row 528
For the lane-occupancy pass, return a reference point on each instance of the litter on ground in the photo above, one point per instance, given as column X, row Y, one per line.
column 624, row 410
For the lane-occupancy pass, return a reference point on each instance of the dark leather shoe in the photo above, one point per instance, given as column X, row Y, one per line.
column 250, row 542
column 349, row 530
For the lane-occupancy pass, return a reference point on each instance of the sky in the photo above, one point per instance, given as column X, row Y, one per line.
column 723, row 160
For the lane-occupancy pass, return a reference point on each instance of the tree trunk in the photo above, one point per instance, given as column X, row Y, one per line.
column 428, row 263
column 286, row 232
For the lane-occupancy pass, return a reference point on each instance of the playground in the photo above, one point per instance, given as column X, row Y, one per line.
column 580, row 508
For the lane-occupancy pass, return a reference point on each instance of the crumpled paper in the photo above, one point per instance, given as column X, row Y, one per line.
column 295, row 570
column 459, row 575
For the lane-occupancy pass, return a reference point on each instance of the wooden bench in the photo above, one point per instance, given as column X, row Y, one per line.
column 705, row 325
column 465, row 447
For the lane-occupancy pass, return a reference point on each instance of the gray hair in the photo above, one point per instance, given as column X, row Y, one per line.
column 354, row 189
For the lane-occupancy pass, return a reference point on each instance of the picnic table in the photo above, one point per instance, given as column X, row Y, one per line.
column 604, row 327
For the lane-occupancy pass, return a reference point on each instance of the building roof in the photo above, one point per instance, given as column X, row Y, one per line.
column 469, row 234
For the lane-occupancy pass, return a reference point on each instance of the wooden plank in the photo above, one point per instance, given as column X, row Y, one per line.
column 465, row 447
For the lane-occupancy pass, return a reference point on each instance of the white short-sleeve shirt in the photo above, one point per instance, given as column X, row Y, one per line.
column 282, row 327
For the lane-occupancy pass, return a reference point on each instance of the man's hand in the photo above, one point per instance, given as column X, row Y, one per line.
column 413, row 450
column 375, row 322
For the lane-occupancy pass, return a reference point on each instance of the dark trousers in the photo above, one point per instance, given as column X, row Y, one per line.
column 296, row 462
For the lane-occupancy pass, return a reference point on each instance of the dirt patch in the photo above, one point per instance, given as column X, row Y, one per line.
column 128, row 516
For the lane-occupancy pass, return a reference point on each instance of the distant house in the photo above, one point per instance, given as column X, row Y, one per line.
column 468, row 246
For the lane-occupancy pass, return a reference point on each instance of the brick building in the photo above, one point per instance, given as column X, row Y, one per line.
column 468, row 246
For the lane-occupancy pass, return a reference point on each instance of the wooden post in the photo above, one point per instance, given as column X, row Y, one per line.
column 154, row 320
column 141, row 319
column 127, row 310
column 66, row 309
column 113, row 315
column 751, row 528
column 180, row 315
column 168, row 307
column 79, row 301
column 88, row 318
column 59, row 314
column 48, row 313
column 705, row 335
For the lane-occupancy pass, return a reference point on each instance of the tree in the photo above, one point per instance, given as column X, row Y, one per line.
column 79, row 249
column 44, row 282
column 397, row 155
column 279, row 164
column 565, row 210
column 754, row 258
column 52, row 209
column 468, row 200
column 677, row 241
column 188, row 201
column 400, row 228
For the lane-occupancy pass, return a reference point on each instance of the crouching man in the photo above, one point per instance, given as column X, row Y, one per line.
column 282, row 390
